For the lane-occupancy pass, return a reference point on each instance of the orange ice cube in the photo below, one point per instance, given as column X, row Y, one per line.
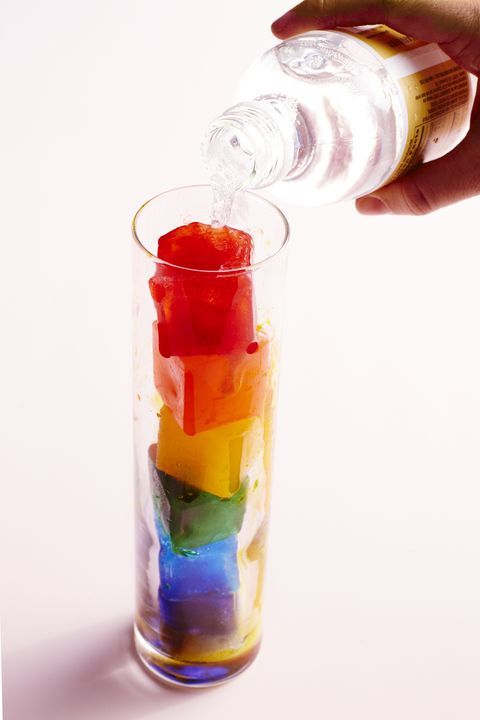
column 205, row 391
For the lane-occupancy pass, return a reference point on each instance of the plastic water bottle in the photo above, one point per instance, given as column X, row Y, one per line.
column 329, row 116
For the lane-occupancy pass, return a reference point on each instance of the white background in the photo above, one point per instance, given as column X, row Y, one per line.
column 373, row 595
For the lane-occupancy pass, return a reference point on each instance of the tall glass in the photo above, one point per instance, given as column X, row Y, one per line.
column 206, row 347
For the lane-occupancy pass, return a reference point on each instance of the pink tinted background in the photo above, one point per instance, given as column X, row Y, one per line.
column 373, row 587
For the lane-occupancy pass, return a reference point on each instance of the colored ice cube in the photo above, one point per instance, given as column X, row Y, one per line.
column 209, row 569
column 203, row 312
column 190, row 516
column 205, row 391
column 216, row 461
column 206, row 247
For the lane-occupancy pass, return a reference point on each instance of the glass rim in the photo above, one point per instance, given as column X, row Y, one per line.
column 225, row 271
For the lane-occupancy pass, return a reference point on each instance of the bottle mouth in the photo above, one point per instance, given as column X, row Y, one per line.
column 229, row 154
column 245, row 147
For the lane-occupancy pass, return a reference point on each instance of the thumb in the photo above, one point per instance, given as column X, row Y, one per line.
column 454, row 177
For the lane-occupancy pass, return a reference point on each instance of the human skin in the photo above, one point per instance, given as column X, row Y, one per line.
column 455, row 26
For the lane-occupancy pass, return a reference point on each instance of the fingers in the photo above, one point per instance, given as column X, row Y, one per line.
column 326, row 14
column 431, row 186
column 442, row 21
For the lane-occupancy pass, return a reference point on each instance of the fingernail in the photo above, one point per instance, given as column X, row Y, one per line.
column 282, row 23
column 371, row 205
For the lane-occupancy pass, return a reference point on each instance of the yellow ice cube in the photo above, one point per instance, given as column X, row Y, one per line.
column 216, row 461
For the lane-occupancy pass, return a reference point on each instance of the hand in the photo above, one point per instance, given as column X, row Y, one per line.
column 455, row 26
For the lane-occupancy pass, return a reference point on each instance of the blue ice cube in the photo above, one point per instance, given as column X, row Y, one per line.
column 207, row 569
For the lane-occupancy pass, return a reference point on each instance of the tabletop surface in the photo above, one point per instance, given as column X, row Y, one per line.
column 373, row 589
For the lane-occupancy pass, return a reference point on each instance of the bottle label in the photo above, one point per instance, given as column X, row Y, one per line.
column 435, row 90
column 384, row 40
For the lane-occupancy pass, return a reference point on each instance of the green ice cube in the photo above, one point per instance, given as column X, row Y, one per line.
column 191, row 516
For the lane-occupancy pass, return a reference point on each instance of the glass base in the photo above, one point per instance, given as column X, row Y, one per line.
column 191, row 674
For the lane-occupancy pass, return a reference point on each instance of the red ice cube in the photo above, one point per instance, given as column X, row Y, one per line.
column 200, row 313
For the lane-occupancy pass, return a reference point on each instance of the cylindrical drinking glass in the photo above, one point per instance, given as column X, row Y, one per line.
column 206, row 349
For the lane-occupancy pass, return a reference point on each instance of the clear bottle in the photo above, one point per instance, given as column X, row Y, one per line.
column 333, row 115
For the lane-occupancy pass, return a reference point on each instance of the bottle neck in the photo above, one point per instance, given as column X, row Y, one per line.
column 257, row 143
